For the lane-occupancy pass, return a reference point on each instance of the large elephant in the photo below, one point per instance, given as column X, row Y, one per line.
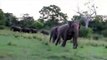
column 67, row 32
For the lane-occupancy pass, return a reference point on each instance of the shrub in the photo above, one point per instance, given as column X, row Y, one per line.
column 104, row 32
column 85, row 32
column 97, row 36
column 11, row 44
column 38, row 25
column 2, row 27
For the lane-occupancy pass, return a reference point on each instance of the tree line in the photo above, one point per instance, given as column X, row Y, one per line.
column 53, row 16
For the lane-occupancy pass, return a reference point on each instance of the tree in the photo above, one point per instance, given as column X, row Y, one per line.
column 52, row 14
column 97, row 24
column 10, row 19
column 26, row 21
column 2, row 17
column 37, row 25
column 86, row 16
column 78, row 17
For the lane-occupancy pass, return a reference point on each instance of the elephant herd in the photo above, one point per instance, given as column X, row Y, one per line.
column 58, row 34
column 65, row 32
column 28, row 30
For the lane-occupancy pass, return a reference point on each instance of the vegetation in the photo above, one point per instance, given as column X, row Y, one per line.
column 52, row 14
column 96, row 26
column 85, row 32
column 2, row 17
column 27, row 46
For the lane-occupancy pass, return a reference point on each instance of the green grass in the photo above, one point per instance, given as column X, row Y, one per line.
column 24, row 46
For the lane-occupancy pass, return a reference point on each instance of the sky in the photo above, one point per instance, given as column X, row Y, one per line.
column 32, row 7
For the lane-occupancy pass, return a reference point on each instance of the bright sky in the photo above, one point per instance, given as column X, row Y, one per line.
column 32, row 7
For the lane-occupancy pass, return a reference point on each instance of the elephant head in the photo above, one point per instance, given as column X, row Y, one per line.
column 74, row 28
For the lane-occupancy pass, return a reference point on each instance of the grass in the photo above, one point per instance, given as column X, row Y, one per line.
column 24, row 46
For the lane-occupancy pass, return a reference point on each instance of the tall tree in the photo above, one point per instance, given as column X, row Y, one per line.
column 2, row 17
column 86, row 16
column 52, row 14
column 10, row 19
column 97, row 24
column 26, row 21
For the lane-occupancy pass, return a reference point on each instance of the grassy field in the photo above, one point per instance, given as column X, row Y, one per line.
column 24, row 46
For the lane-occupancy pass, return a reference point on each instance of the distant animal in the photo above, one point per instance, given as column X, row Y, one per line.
column 67, row 32
column 16, row 28
column 26, row 30
column 44, row 32
column 34, row 30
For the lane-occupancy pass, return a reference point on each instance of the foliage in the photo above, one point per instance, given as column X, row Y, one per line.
column 104, row 32
column 2, row 17
column 41, row 20
column 10, row 19
column 97, row 24
column 78, row 17
column 85, row 32
column 97, row 36
column 27, row 21
column 2, row 27
column 87, row 15
column 37, row 25
column 52, row 14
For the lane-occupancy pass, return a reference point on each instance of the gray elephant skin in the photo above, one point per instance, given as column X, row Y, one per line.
column 66, row 32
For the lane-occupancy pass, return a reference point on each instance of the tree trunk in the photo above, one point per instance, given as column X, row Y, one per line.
column 86, row 24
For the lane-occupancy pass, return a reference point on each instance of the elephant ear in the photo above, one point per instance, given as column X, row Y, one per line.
column 79, row 25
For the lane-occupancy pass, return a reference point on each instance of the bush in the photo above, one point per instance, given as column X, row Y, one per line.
column 38, row 25
column 85, row 32
column 2, row 27
column 97, row 36
column 104, row 32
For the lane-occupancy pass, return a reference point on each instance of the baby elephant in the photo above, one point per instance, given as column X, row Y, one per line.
column 66, row 32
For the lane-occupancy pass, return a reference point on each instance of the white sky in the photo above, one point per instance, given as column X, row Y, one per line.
column 32, row 7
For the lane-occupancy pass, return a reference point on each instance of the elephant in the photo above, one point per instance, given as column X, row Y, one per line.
column 26, row 30
column 67, row 32
column 53, row 34
column 44, row 32
column 16, row 28
column 34, row 30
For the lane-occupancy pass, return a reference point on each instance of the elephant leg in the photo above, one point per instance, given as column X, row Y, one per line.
column 58, row 37
column 64, row 40
column 64, row 43
column 54, row 38
column 60, row 41
column 75, row 42
column 57, row 40
column 50, row 37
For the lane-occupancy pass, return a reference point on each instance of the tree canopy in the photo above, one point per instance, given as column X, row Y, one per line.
column 52, row 14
